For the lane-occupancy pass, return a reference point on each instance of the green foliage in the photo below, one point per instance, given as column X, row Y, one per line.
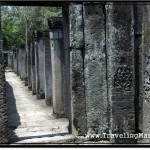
column 16, row 20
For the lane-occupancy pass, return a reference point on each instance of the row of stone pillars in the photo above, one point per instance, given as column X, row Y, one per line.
column 104, row 64
column 94, row 68
column 42, row 66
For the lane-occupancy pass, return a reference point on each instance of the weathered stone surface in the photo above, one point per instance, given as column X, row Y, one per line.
column 138, row 13
column 15, row 60
column 3, row 101
column 121, row 78
column 22, row 63
column 66, row 32
column 76, row 26
column 18, row 62
column 29, row 77
column 55, row 22
column 39, row 62
column 78, row 106
column 10, row 59
column 95, row 69
column 47, row 68
column 33, row 75
column 145, row 126
column 58, row 71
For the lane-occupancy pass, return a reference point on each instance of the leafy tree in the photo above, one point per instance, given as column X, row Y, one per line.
column 19, row 21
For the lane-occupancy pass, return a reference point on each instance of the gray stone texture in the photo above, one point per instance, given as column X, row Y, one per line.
column 121, row 78
column 15, row 60
column 29, row 73
column 138, row 13
column 145, row 126
column 39, row 62
column 22, row 63
column 78, row 104
column 3, row 101
column 66, row 32
column 33, row 74
column 95, row 69
column 58, row 67
column 10, row 59
column 47, row 68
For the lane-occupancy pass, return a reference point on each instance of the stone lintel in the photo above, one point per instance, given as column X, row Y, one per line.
column 37, row 34
column 55, row 22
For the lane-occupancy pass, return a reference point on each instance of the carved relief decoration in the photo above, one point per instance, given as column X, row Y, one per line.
column 147, row 84
column 123, row 78
column 147, row 78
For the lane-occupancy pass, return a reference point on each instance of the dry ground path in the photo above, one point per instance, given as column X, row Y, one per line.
column 30, row 121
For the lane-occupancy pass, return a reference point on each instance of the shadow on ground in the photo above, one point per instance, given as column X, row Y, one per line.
column 13, row 116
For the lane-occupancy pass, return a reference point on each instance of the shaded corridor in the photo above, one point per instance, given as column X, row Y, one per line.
column 29, row 118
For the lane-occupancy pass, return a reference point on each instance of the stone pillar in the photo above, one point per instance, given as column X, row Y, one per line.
column 22, row 63
column 19, row 62
column 58, row 67
column 33, row 73
column 145, row 126
column 10, row 59
column 121, row 69
column 39, row 63
column 14, row 65
column 66, row 32
column 137, row 9
column 78, row 123
column 47, row 69
column 15, row 60
column 29, row 78
column 95, row 72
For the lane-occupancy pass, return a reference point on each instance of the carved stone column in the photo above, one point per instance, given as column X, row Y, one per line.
column 95, row 69
column 121, row 69
column 58, row 67
column 29, row 78
column 47, row 68
column 66, row 32
column 138, row 17
column 145, row 125
column 22, row 62
column 33, row 72
column 78, row 123
column 15, row 59
column 10, row 59
column 39, row 63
